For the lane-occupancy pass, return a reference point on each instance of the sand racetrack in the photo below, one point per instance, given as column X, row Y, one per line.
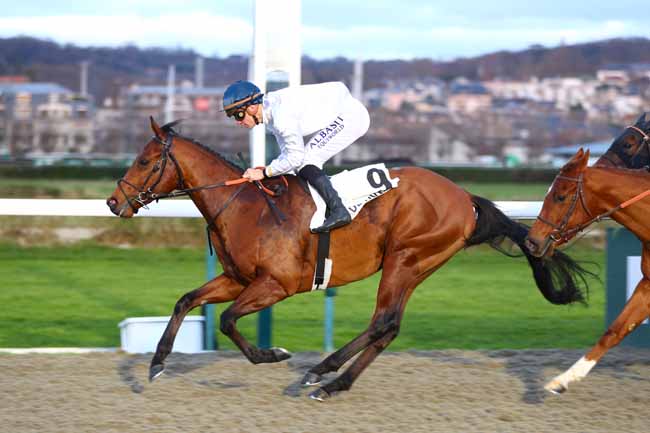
column 447, row 391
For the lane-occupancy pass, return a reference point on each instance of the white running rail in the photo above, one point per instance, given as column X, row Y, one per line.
column 178, row 208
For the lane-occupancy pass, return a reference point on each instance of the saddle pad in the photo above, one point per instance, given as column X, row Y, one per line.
column 356, row 188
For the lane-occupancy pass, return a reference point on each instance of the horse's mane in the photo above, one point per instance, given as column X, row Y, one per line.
column 169, row 129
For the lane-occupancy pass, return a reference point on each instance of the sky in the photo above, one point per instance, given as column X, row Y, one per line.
column 364, row 29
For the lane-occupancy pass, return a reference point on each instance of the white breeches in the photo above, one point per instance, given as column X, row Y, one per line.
column 351, row 123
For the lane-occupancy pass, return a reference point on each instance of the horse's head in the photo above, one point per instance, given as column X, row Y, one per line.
column 563, row 210
column 155, row 171
column 631, row 149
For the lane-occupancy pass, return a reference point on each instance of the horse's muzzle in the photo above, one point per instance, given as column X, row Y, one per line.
column 112, row 204
column 534, row 248
column 121, row 211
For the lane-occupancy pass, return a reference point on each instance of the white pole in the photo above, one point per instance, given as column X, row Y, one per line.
column 357, row 92
column 198, row 72
column 169, row 106
column 83, row 85
column 257, row 74
column 357, row 80
column 295, row 42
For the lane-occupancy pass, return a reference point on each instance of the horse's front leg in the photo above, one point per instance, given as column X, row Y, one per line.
column 263, row 292
column 635, row 311
column 220, row 289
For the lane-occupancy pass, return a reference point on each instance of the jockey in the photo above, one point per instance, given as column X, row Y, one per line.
column 326, row 113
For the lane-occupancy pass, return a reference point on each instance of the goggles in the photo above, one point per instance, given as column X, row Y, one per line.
column 238, row 115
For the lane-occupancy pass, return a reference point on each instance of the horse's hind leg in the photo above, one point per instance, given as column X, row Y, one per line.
column 380, row 323
column 402, row 274
column 383, row 329
column 220, row 289
column 263, row 292
column 389, row 295
column 338, row 358
column 392, row 297
column 635, row 311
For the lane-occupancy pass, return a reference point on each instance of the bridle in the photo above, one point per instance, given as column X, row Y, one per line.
column 645, row 143
column 146, row 194
column 560, row 231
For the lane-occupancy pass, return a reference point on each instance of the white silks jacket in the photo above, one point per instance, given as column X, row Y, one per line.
column 295, row 112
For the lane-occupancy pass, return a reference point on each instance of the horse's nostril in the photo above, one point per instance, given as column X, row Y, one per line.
column 530, row 244
column 111, row 202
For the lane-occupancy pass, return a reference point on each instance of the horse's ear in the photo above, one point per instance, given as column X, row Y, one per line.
column 640, row 122
column 155, row 128
column 575, row 161
column 580, row 158
column 585, row 159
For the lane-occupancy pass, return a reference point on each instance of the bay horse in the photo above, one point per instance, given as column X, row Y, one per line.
column 580, row 196
column 408, row 233
column 631, row 149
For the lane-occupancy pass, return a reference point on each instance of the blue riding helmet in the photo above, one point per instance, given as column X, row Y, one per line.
column 240, row 94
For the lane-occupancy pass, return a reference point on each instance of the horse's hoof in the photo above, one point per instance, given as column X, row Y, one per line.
column 280, row 354
column 155, row 371
column 311, row 379
column 320, row 395
column 555, row 388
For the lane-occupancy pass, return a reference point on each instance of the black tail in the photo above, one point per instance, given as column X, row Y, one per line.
column 557, row 277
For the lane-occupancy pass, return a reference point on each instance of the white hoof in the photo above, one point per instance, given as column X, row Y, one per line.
column 556, row 387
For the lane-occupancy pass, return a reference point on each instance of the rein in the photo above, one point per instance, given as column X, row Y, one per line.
column 149, row 194
column 188, row 191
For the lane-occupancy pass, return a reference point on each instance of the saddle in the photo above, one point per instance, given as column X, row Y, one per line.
column 356, row 188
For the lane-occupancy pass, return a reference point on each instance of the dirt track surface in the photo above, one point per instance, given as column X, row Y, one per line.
column 446, row 391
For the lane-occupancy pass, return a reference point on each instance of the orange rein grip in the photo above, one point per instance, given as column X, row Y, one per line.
column 265, row 189
column 236, row 181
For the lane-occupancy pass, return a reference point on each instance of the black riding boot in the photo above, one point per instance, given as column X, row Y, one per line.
column 338, row 215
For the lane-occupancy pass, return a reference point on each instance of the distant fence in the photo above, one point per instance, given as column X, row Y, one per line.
column 186, row 209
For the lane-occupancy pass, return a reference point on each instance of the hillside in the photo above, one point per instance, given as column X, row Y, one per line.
column 112, row 68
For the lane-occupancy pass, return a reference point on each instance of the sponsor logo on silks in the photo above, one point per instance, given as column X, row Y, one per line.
column 327, row 133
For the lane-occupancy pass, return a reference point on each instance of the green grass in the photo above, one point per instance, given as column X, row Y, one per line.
column 76, row 296
column 101, row 189
column 508, row 191
column 60, row 295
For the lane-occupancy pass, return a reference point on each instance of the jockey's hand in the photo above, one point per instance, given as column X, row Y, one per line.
column 253, row 174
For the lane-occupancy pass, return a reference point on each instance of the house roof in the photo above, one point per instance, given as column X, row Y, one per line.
column 596, row 148
column 468, row 88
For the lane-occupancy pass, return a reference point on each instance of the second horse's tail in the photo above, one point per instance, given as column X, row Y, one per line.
column 558, row 277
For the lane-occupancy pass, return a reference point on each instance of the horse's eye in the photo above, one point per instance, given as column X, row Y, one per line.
column 627, row 145
column 143, row 161
column 560, row 198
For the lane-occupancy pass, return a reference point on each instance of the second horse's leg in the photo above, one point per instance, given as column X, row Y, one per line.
column 220, row 289
column 635, row 311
